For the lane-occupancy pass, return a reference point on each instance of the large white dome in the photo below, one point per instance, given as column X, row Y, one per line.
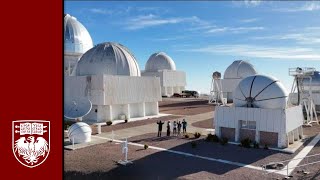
column 260, row 91
column 80, row 132
column 239, row 69
column 160, row 61
column 108, row 58
column 76, row 37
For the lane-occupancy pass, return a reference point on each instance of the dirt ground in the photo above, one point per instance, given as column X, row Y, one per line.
column 100, row 161
column 185, row 106
column 208, row 123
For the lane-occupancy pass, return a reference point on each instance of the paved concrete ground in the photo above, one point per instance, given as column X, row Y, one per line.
column 145, row 129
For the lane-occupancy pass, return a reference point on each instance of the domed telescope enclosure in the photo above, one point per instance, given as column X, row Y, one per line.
column 261, row 92
column 109, row 76
column 79, row 132
column 234, row 73
column 108, row 58
column 77, row 41
column 260, row 113
column 161, row 65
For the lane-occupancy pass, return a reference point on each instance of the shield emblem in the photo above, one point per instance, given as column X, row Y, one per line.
column 31, row 141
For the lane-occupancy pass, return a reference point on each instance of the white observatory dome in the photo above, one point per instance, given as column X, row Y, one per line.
column 76, row 37
column 80, row 132
column 260, row 91
column 239, row 69
column 315, row 82
column 108, row 58
column 160, row 61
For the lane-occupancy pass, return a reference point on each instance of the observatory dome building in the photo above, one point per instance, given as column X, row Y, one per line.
column 161, row 65
column 238, row 70
column 77, row 41
column 260, row 113
column 108, row 74
column 108, row 58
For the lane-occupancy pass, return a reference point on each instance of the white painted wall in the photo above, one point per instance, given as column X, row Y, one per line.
column 151, row 108
column 113, row 96
column 280, row 121
column 294, row 118
column 170, row 81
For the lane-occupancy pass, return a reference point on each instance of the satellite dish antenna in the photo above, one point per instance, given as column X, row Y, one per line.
column 77, row 108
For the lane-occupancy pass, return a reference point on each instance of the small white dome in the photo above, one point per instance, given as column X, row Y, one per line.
column 239, row 69
column 76, row 37
column 80, row 132
column 260, row 91
column 160, row 61
column 108, row 58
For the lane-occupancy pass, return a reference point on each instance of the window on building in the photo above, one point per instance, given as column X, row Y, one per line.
column 247, row 124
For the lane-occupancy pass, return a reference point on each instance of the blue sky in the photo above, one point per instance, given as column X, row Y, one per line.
column 203, row 37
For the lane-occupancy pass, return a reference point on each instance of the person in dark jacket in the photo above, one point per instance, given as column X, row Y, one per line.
column 184, row 126
column 168, row 128
column 160, row 123
column 179, row 128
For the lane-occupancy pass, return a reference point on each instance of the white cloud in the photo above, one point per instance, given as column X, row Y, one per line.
column 234, row 29
column 151, row 20
column 100, row 11
column 169, row 38
column 249, row 20
column 308, row 35
column 254, row 51
column 246, row 3
column 308, row 6
column 252, row 2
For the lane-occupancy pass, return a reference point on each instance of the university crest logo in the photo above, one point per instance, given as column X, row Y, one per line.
column 31, row 141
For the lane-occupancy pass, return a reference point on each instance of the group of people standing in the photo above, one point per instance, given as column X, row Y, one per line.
column 176, row 127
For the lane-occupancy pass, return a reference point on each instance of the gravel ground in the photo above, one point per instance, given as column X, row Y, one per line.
column 99, row 162
column 208, row 123
column 185, row 106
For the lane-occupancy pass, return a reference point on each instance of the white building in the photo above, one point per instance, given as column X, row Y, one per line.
column 162, row 66
column 233, row 75
column 77, row 41
column 260, row 113
column 108, row 74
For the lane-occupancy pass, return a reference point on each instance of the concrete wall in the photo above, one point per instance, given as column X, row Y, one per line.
column 151, row 108
column 171, row 81
column 109, row 90
column 113, row 96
